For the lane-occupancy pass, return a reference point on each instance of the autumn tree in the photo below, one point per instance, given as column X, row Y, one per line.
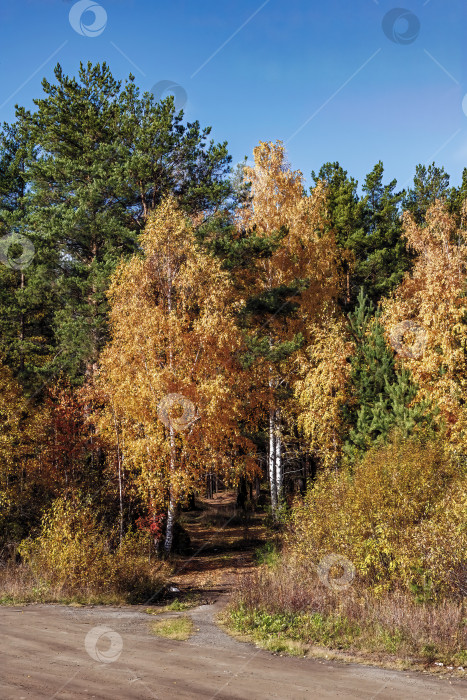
column 322, row 389
column 288, row 290
column 108, row 156
column 425, row 321
column 170, row 374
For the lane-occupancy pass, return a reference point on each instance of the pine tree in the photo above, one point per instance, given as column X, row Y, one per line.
column 429, row 184
column 107, row 158
column 368, row 227
column 26, row 304
column 381, row 395
column 381, row 250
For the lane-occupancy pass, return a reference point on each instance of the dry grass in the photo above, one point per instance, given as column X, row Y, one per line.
column 19, row 584
column 285, row 604
column 179, row 628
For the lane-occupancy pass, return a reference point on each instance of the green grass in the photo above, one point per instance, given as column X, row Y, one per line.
column 295, row 633
column 268, row 555
column 179, row 628
column 333, row 631
column 175, row 606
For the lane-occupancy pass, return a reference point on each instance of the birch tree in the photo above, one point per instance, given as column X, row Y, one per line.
column 169, row 372
column 425, row 321
column 290, row 288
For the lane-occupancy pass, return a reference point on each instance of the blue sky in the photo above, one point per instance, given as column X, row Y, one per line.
column 321, row 76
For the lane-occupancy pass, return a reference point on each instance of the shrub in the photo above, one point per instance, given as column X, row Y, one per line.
column 399, row 516
column 73, row 553
column 289, row 602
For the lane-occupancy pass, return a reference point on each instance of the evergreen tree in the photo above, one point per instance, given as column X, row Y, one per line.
column 369, row 227
column 456, row 199
column 25, row 298
column 429, row 184
column 107, row 158
column 345, row 216
column 381, row 394
column 381, row 251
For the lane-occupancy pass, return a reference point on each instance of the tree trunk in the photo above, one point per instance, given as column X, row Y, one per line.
column 272, row 462
column 278, row 456
column 169, row 532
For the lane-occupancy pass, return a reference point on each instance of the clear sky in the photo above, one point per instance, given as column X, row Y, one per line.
column 349, row 80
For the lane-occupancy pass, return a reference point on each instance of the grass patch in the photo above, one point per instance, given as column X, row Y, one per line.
column 267, row 555
column 179, row 628
column 20, row 585
column 175, row 606
column 286, row 611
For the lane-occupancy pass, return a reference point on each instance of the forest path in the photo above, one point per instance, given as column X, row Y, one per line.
column 55, row 652
column 224, row 540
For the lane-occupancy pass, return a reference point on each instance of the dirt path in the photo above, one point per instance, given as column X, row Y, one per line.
column 47, row 652
column 223, row 545
column 57, row 652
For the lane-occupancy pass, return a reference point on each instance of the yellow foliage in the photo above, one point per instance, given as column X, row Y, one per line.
column 390, row 517
column 173, row 333
column 73, row 552
column 432, row 299
column 306, row 251
column 322, row 389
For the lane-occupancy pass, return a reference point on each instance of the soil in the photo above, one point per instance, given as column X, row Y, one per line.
column 59, row 652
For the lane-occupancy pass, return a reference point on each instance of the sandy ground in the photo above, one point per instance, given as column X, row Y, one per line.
column 49, row 651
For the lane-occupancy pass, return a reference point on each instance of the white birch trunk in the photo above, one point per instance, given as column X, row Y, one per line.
column 169, row 531
column 278, row 456
column 272, row 461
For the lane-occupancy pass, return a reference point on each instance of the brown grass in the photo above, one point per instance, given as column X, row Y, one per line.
column 19, row 584
column 287, row 603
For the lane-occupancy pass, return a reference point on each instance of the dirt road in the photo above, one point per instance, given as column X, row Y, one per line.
column 62, row 653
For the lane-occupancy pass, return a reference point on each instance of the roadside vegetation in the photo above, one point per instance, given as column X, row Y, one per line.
column 174, row 330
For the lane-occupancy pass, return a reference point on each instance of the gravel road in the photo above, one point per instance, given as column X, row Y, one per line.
column 58, row 652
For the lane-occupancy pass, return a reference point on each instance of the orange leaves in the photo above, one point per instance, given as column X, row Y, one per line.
column 321, row 391
column 432, row 298
column 279, row 200
column 173, row 332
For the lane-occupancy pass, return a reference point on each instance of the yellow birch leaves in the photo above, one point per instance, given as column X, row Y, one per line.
column 169, row 374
